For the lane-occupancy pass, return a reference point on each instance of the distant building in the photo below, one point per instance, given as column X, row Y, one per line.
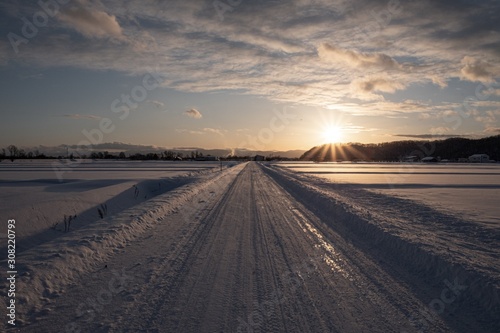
column 479, row 158
column 259, row 158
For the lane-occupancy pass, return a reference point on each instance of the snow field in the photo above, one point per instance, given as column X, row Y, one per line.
column 31, row 192
column 469, row 191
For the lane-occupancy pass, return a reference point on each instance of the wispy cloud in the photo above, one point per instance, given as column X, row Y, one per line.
column 356, row 59
column 357, row 129
column 206, row 130
column 158, row 104
column 494, row 130
column 311, row 52
column 478, row 70
column 81, row 116
column 214, row 131
column 193, row 113
column 194, row 132
column 368, row 87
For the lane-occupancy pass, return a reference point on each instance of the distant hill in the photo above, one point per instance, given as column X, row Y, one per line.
column 451, row 149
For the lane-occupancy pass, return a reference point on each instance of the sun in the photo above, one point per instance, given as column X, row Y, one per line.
column 332, row 134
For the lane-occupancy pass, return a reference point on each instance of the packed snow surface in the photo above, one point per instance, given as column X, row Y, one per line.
column 261, row 247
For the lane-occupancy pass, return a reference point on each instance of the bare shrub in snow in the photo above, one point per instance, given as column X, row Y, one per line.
column 103, row 210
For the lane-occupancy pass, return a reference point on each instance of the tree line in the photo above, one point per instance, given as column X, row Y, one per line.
column 451, row 149
column 14, row 153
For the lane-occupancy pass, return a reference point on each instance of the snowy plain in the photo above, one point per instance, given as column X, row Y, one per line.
column 40, row 193
column 471, row 191
column 257, row 247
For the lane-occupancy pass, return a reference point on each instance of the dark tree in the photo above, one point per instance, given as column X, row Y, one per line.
column 13, row 151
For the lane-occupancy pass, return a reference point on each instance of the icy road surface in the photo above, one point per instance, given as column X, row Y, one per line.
column 257, row 249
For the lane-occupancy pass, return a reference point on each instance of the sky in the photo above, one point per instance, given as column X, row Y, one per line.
column 254, row 74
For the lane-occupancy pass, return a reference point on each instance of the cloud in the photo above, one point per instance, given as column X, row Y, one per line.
column 356, row 59
column 357, row 129
column 366, row 88
column 213, row 130
column 426, row 115
column 492, row 130
column 441, row 130
column 91, row 22
column 183, row 130
column 202, row 132
column 193, row 113
column 439, row 81
column 477, row 70
column 158, row 104
column 81, row 116
column 487, row 118
column 298, row 51
column 268, row 43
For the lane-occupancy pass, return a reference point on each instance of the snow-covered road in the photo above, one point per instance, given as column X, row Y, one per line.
column 247, row 253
